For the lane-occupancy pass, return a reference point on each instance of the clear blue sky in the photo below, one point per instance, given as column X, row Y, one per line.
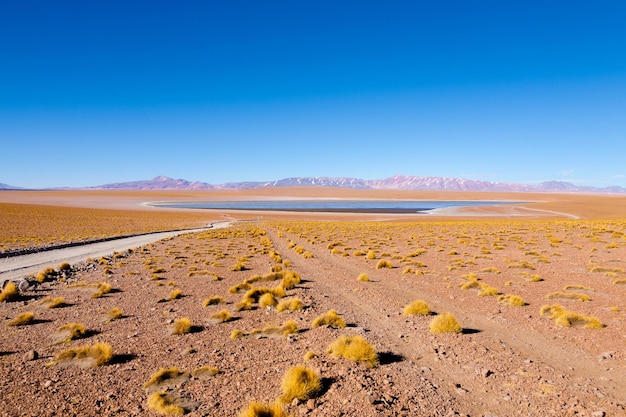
column 95, row 92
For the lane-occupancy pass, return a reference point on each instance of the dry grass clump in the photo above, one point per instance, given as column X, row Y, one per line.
column 565, row 318
column 487, row 290
column 512, row 300
column 417, row 308
column 166, row 404
column 270, row 330
column 300, row 382
column 181, row 326
column 114, row 314
column 175, row 294
column 330, row 319
column 384, row 263
column 445, row 323
column 363, row 277
column 205, row 372
column 70, row 331
column 9, row 292
column 221, row 316
column 355, row 348
column 213, row 300
column 166, row 378
column 576, row 296
column 22, row 319
column 256, row 409
column 102, row 288
column 309, row 355
column 53, row 302
column 291, row 305
column 87, row 356
column 267, row 300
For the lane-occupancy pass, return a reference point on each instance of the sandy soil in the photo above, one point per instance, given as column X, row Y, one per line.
column 508, row 360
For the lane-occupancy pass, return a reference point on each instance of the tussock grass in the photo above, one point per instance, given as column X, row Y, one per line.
column 166, row 404
column 487, row 290
column 267, row 300
column 70, row 331
column 300, row 382
column 576, row 296
column 330, row 319
column 565, row 318
column 181, row 326
column 87, row 356
column 9, row 292
column 445, row 323
column 270, row 330
column 309, row 355
column 417, row 308
column 221, row 316
column 257, row 409
column 512, row 300
column 355, row 348
column 213, row 300
column 53, row 302
column 205, row 372
column 102, row 288
column 166, row 378
column 291, row 305
column 114, row 314
column 22, row 319
column 363, row 277
column 175, row 294
column 384, row 263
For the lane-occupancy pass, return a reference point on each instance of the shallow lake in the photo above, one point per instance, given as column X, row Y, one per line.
column 339, row 205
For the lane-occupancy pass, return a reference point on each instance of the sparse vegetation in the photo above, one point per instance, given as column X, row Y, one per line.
column 87, row 356
column 355, row 348
column 330, row 319
column 181, row 326
column 445, row 323
column 22, row 319
column 417, row 308
column 300, row 382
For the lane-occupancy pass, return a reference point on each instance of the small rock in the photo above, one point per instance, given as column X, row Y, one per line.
column 506, row 398
column 310, row 404
column 47, row 383
column 295, row 402
column 31, row 355
column 598, row 414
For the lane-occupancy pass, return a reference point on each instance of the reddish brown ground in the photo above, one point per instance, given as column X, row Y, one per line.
column 508, row 360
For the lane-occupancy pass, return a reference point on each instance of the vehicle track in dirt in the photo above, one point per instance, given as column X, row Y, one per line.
column 493, row 367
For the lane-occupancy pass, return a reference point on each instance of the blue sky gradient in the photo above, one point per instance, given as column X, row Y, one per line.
column 111, row 91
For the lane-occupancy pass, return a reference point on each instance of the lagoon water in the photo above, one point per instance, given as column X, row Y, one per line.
column 347, row 206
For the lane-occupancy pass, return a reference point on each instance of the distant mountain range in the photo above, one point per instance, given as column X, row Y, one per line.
column 397, row 182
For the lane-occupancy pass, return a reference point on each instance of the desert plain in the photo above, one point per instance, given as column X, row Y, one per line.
column 537, row 288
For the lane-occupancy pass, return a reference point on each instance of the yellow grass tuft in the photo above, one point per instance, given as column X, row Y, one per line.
column 181, row 326
column 222, row 316
column 205, row 372
column 256, row 409
column 568, row 296
column 165, row 404
column 114, row 313
column 289, row 327
column 309, row 355
column 384, row 263
column 71, row 331
column 216, row 299
column 267, row 300
column 9, row 292
column 55, row 302
column 87, row 356
column 291, row 305
column 565, row 318
column 166, row 378
column 487, row 290
column 175, row 294
column 363, row 277
column 417, row 308
column 355, row 348
column 22, row 319
column 102, row 288
column 445, row 323
column 299, row 382
column 512, row 300
column 330, row 319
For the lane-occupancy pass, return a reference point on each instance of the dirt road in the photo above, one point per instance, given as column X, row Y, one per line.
column 19, row 266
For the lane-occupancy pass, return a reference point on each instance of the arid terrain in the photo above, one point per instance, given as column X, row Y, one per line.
column 538, row 289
